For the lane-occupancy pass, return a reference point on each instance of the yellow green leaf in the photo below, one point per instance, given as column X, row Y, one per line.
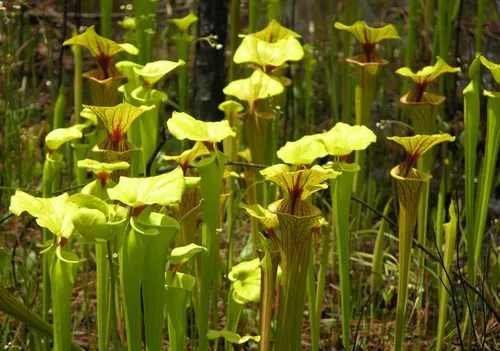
column 98, row 46
column 258, row 86
column 245, row 278
column 246, row 155
column 118, row 119
column 179, row 280
column 369, row 35
column 154, row 71
column 128, row 23
column 231, row 337
column 303, row 182
column 493, row 67
column 428, row 74
column 102, row 167
column 35, row 206
column 230, row 107
column 184, row 159
column 419, row 144
column 263, row 215
column 129, row 68
column 51, row 213
column 91, row 224
column 274, row 32
column 182, row 254
column 59, row 136
column 183, row 23
column 264, row 54
column 163, row 190
column 89, row 115
column 303, row 151
column 183, row 126
column 343, row 138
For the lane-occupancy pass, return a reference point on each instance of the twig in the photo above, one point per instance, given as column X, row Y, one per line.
column 74, row 187
column 164, row 139
column 245, row 164
column 364, row 307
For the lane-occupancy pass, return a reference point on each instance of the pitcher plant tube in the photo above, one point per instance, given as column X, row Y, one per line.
column 487, row 170
column 51, row 171
column 105, row 278
column 296, row 218
column 143, row 252
column 211, row 171
column 367, row 66
column 409, row 184
column 422, row 107
column 340, row 141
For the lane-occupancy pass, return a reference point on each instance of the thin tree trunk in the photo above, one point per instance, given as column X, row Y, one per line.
column 209, row 73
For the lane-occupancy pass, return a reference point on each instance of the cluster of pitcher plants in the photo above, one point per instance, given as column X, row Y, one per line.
column 154, row 221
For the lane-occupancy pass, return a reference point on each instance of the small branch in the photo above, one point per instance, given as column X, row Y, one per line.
column 164, row 139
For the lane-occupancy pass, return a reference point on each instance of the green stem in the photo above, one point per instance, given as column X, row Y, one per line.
column 323, row 268
column 409, row 190
column 254, row 8
column 365, row 90
column 51, row 167
column 378, row 260
column 471, row 135
column 106, row 18
column 102, row 282
column 333, row 66
column 348, row 17
column 311, row 297
column 62, row 277
column 273, row 10
column 269, row 266
column 210, row 171
column 450, row 230
column 145, row 13
column 176, row 297
column 340, row 190
column 77, row 80
column 182, row 43
column 233, row 36
column 131, row 263
column 487, row 172
column 234, row 309
column 60, row 105
column 112, row 300
column 479, row 25
column 153, row 278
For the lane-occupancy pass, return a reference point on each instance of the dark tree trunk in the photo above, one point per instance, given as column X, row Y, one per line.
column 209, row 73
